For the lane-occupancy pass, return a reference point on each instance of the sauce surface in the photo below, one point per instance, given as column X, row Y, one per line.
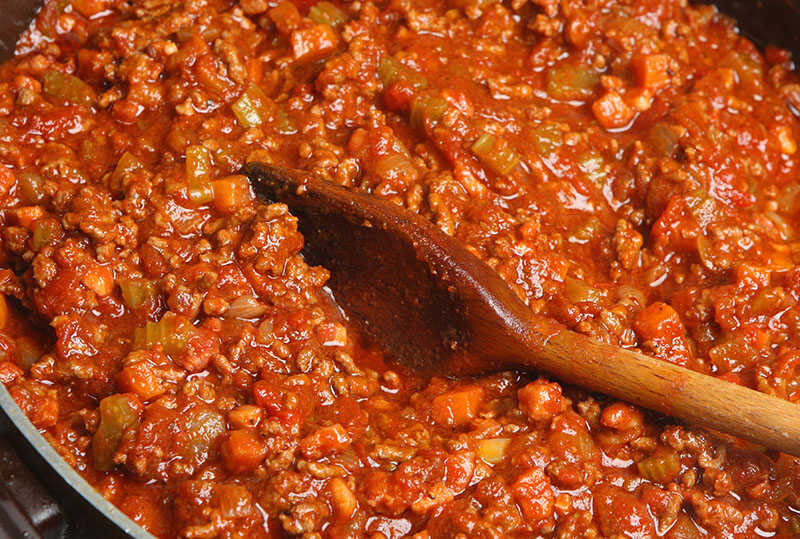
column 630, row 168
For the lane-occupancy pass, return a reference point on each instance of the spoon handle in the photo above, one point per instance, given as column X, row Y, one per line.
column 675, row 391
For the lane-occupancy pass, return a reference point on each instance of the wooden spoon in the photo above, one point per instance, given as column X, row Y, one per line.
column 439, row 309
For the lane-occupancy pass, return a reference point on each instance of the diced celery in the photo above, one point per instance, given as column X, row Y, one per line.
column 570, row 82
column 327, row 13
column 663, row 140
column 126, row 164
column 118, row 413
column 593, row 165
column 391, row 71
column 745, row 66
column 198, row 174
column 31, row 188
column 427, row 107
column 495, row 153
column 67, row 87
column 95, row 149
column 253, row 108
column 284, row 123
column 171, row 332
column 587, row 232
column 200, row 193
column 44, row 231
column 136, row 292
column 789, row 200
column 484, row 144
column 661, row 467
column 547, row 138
column 198, row 163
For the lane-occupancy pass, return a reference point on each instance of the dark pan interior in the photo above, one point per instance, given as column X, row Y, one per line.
column 767, row 22
column 15, row 17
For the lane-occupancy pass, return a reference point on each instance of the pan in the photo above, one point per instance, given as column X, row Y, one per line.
column 30, row 509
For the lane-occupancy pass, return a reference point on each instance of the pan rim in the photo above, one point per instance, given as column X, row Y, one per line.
column 56, row 462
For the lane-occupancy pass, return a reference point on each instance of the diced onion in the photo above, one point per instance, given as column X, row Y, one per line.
column 493, row 450
column 245, row 307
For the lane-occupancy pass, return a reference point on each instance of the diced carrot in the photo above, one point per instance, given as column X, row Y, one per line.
column 314, row 41
column 188, row 53
column 269, row 396
column 207, row 73
column 325, row 442
column 245, row 416
column 141, row 378
column 458, row 407
column 201, row 345
column 255, row 70
column 657, row 320
column 285, row 16
column 675, row 227
column 398, row 96
column 243, row 451
column 459, row 469
column 612, row 111
column 232, row 192
column 651, row 70
column 661, row 327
